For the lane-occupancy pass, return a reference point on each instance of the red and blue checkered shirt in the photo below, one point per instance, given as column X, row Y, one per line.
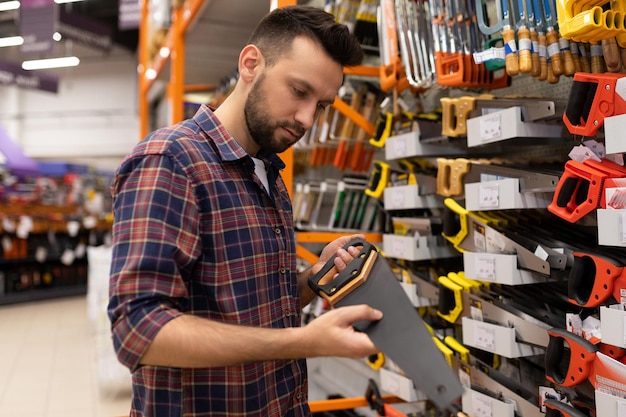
column 195, row 232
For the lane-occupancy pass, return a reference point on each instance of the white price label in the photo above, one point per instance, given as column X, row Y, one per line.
column 489, row 195
column 397, row 197
column 621, row 408
column 484, row 336
column 399, row 148
column 624, row 316
column 490, row 127
column 398, row 248
column 624, row 226
column 482, row 406
column 486, row 268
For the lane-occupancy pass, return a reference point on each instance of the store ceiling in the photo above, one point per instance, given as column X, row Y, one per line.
column 212, row 45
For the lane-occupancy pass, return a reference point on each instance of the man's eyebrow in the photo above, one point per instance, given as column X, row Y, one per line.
column 309, row 87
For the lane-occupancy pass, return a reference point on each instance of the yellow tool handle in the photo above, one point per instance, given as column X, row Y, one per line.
column 453, row 312
column 447, row 352
column 511, row 60
column 379, row 178
column 455, row 345
column 376, row 361
column 525, row 45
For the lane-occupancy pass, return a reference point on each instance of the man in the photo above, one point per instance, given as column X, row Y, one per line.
column 205, row 299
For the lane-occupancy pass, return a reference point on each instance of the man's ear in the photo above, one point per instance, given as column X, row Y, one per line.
column 251, row 62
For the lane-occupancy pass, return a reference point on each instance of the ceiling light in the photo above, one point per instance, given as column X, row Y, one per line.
column 164, row 52
column 70, row 61
column 151, row 74
column 9, row 5
column 11, row 41
column 57, row 36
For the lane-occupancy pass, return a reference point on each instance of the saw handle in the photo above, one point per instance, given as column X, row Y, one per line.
column 592, row 279
column 332, row 287
column 556, row 408
column 568, row 365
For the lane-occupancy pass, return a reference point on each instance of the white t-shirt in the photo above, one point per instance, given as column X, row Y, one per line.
column 259, row 169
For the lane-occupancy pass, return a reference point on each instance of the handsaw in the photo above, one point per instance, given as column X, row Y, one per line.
column 581, row 188
column 592, row 98
column 368, row 279
column 457, row 301
column 476, row 235
column 594, row 278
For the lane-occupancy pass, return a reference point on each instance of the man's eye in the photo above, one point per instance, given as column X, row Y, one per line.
column 298, row 93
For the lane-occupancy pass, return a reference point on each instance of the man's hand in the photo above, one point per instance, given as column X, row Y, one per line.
column 332, row 334
column 336, row 247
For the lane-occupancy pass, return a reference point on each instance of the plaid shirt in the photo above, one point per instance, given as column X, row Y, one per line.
column 195, row 232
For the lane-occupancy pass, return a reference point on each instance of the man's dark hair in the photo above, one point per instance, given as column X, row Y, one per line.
column 276, row 31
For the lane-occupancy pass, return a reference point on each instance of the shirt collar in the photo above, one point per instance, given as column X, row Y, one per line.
column 227, row 147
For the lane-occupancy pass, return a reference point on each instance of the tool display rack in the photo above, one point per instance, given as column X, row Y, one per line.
column 182, row 20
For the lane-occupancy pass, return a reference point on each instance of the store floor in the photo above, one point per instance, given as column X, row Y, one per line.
column 48, row 363
column 51, row 364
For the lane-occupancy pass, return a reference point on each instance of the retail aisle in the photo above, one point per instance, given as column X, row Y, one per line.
column 48, row 363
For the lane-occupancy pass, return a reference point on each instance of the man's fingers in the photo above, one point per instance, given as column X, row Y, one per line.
column 361, row 312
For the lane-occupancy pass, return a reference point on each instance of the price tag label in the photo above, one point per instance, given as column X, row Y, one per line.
column 490, row 127
column 482, row 406
column 399, row 248
column 484, row 336
column 486, row 268
column 624, row 226
column 399, row 147
column 489, row 195
column 397, row 197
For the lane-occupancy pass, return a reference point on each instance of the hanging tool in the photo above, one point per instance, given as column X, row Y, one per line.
column 581, row 188
column 534, row 39
column 368, row 279
column 475, row 233
column 541, row 39
column 508, row 35
column 592, row 98
column 571, row 365
column 594, row 278
column 552, row 38
column 523, row 37
column 450, row 176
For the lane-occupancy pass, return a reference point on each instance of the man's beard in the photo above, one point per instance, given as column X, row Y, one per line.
column 259, row 122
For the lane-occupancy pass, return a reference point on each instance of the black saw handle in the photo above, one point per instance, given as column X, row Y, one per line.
column 325, row 284
column 556, row 408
